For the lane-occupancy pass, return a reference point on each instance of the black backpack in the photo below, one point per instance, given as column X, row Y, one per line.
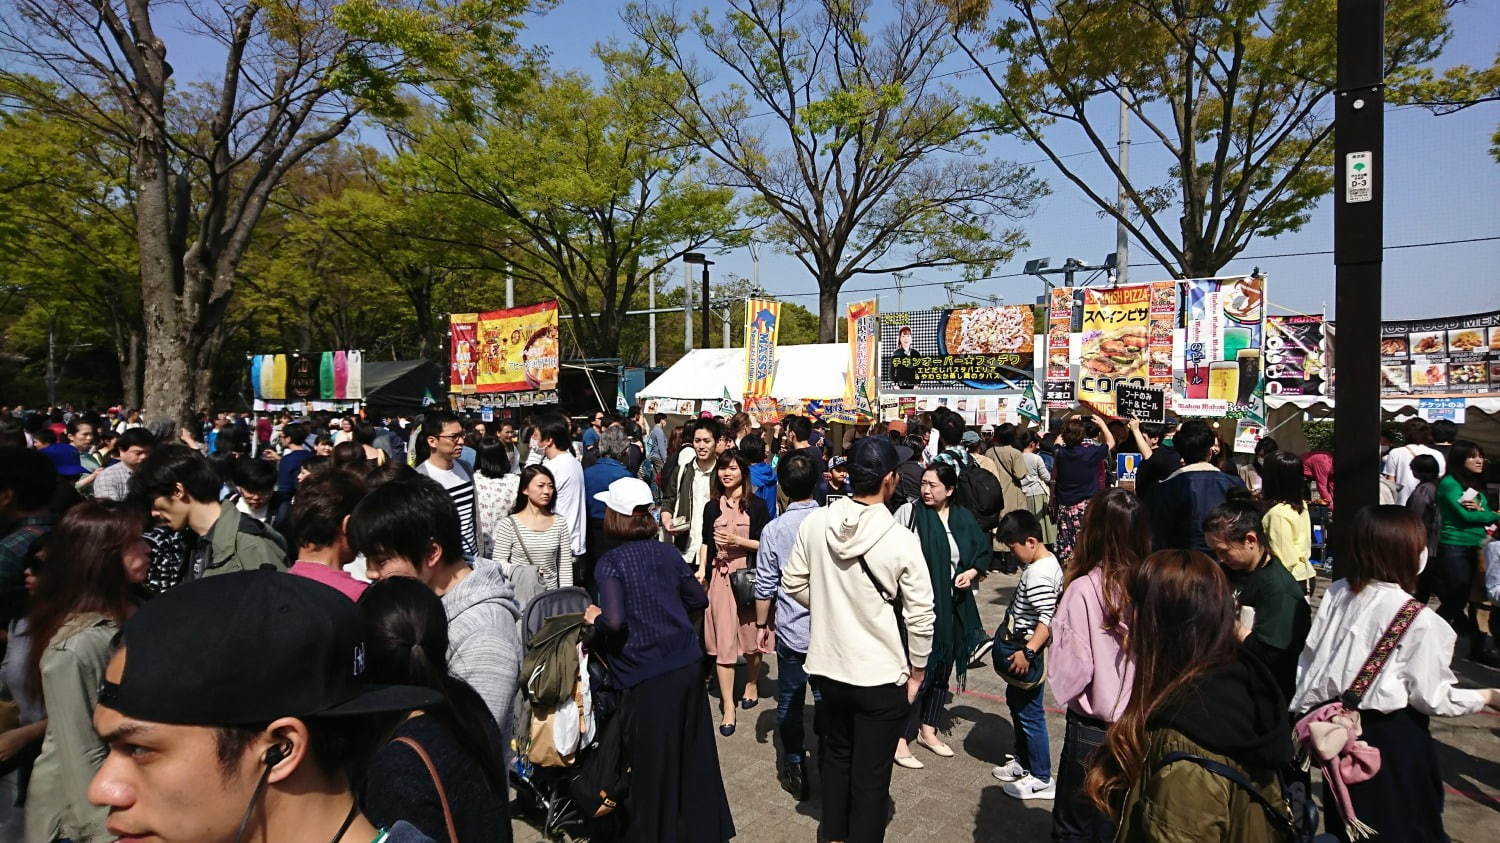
column 979, row 492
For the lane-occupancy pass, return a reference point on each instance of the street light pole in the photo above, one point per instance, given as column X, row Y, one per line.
column 1358, row 150
column 706, row 265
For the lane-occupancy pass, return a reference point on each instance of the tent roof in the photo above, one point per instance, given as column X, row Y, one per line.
column 402, row 383
column 802, row 371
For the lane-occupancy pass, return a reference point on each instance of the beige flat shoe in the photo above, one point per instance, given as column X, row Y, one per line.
column 941, row 750
column 909, row 762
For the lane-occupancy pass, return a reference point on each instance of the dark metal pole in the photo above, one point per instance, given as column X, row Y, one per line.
column 1358, row 147
column 706, row 334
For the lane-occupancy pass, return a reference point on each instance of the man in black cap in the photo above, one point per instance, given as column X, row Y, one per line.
column 862, row 575
column 247, row 728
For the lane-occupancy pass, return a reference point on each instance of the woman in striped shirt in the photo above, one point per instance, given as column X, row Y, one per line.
column 534, row 544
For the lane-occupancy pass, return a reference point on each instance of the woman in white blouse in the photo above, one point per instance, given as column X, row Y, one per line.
column 534, row 544
column 1386, row 548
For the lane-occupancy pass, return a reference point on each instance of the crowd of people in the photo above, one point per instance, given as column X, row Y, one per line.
column 284, row 628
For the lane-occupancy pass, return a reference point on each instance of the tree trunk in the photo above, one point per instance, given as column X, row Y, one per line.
column 130, row 370
column 828, row 311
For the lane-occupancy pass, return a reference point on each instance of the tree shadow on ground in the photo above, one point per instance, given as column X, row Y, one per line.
column 1001, row 817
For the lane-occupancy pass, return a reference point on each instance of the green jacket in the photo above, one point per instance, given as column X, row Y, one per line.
column 1185, row 803
column 956, row 628
column 57, row 805
column 241, row 543
column 1461, row 527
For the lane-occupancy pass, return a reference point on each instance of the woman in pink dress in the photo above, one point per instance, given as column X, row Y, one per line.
column 732, row 521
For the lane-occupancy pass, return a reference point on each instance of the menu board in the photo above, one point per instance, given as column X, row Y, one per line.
column 1296, row 356
column 1143, row 403
column 987, row 349
column 1457, row 356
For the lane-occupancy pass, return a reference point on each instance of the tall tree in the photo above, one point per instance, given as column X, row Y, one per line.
column 207, row 158
column 860, row 160
column 580, row 192
column 1237, row 91
column 68, row 229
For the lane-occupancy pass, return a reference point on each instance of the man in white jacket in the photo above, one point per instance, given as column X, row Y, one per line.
column 861, row 576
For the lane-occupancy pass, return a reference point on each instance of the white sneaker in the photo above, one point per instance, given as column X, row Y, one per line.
column 1031, row 787
column 1010, row 771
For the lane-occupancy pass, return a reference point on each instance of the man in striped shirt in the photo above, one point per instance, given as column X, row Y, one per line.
column 445, row 439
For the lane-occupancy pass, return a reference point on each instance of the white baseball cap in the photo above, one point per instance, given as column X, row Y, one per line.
column 625, row 495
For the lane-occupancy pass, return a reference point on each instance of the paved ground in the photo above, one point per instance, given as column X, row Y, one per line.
column 957, row 799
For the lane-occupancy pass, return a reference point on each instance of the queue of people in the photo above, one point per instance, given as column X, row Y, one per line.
column 1173, row 622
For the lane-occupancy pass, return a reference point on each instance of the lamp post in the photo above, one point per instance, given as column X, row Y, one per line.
column 700, row 259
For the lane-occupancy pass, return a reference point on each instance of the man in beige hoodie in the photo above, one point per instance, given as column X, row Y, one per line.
column 866, row 585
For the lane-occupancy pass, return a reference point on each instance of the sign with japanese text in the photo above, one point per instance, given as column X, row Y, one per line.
column 954, row 351
column 1114, row 342
column 1142, row 403
column 864, row 347
column 1224, row 321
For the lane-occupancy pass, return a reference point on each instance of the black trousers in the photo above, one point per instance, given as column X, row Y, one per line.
column 1074, row 816
column 859, row 727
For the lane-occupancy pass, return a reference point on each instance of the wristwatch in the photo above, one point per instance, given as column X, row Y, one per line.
column 762, row 626
column 1029, row 653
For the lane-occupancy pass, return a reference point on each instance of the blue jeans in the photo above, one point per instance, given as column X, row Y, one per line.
column 1030, row 722
column 791, row 687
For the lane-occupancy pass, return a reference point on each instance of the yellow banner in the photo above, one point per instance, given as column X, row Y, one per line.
column 1114, row 343
column 512, row 350
column 762, row 327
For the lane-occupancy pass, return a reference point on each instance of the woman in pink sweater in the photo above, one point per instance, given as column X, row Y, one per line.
column 1091, row 671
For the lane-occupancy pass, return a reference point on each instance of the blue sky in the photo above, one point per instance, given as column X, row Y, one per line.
column 1440, row 185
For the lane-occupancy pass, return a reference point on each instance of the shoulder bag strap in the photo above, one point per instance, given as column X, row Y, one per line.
column 994, row 454
column 525, row 551
column 1383, row 649
column 1224, row 771
column 436, row 782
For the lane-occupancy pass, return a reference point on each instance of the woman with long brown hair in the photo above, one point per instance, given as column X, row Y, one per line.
column 1091, row 671
column 1202, row 713
column 96, row 561
column 732, row 520
column 1385, row 551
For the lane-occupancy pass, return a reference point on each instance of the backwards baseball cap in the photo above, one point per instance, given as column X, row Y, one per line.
column 246, row 648
column 872, row 456
column 625, row 495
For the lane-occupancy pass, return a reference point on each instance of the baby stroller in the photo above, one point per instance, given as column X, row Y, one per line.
column 565, row 691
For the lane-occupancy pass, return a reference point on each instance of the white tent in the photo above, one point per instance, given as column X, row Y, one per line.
column 802, row 371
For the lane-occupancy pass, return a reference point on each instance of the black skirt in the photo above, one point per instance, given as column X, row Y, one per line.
column 1404, row 801
column 676, row 790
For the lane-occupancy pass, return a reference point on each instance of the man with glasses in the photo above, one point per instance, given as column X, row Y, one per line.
column 445, row 440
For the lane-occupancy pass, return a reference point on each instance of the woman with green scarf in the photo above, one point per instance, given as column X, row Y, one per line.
column 958, row 556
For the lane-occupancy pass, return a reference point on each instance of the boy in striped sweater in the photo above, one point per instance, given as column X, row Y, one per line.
column 1028, row 773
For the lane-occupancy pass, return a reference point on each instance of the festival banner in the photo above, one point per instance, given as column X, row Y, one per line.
column 1163, row 324
column 1114, row 343
column 1295, row 359
column 762, row 328
column 463, row 353
column 1224, row 322
column 1061, row 374
column 512, row 350
column 961, row 350
column 317, row 376
column 864, row 337
column 1453, row 356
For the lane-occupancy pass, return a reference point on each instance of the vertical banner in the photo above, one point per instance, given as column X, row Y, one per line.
column 1225, row 330
column 1058, row 383
column 463, row 352
column 355, row 386
column 276, row 387
column 327, row 382
column 1116, row 337
column 762, row 328
column 1294, row 360
column 255, row 365
column 1163, row 322
column 864, row 334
